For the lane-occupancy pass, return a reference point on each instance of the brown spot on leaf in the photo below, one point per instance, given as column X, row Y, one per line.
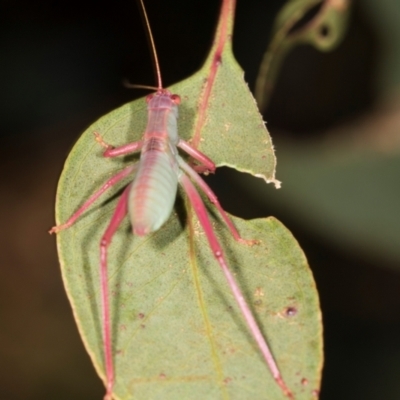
column 291, row 311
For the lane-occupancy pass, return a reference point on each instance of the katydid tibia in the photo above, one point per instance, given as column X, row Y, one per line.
column 149, row 200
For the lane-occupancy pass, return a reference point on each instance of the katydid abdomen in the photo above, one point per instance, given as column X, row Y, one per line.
column 153, row 192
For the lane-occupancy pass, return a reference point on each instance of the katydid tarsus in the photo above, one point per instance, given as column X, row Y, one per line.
column 149, row 200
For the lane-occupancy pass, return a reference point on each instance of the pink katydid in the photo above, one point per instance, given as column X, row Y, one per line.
column 149, row 200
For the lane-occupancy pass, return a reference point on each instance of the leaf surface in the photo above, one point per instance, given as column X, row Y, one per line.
column 177, row 332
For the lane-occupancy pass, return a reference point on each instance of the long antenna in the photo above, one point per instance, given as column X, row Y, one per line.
column 153, row 47
column 129, row 85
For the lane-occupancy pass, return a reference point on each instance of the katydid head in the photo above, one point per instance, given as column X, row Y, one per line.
column 162, row 98
column 166, row 94
column 160, row 93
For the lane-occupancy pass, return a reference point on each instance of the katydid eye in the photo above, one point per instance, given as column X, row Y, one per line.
column 176, row 99
column 149, row 97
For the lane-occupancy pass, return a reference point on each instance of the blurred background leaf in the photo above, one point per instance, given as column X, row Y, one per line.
column 321, row 24
column 61, row 69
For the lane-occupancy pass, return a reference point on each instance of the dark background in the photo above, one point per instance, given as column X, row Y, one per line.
column 61, row 68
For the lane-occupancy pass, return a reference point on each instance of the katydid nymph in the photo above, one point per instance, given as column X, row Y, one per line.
column 149, row 200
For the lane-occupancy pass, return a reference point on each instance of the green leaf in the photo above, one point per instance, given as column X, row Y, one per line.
column 324, row 31
column 177, row 332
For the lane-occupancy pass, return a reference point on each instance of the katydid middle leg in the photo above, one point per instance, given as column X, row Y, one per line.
column 110, row 183
column 110, row 151
column 206, row 164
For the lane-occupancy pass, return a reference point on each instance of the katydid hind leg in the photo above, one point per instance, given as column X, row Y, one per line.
column 214, row 200
column 216, row 248
column 109, row 184
column 120, row 212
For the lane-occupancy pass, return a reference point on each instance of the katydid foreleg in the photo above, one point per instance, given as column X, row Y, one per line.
column 123, row 150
